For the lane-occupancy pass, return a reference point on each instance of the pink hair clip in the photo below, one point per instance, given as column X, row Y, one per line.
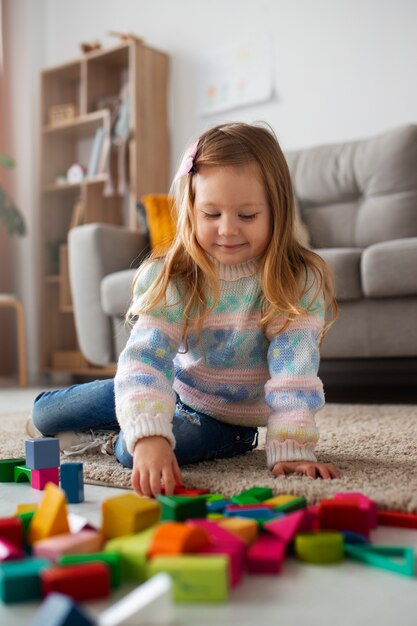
column 187, row 162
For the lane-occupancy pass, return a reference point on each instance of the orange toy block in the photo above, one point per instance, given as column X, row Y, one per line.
column 128, row 514
column 84, row 542
column 246, row 529
column 51, row 516
column 177, row 538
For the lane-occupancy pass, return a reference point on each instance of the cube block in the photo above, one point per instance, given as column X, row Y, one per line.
column 42, row 453
column 41, row 477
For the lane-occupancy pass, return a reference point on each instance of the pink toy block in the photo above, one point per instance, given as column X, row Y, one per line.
column 286, row 527
column 363, row 501
column 225, row 542
column 84, row 542
column 266, row 555
column 9, row 551
column 40, row 477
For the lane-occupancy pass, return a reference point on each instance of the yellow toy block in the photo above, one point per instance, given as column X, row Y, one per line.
column 26, row 508
column 280, row 500
column 51, row 517
column 128, row 514
column 246, row 529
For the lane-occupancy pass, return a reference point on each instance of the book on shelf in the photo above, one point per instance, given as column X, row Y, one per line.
column 95, row 154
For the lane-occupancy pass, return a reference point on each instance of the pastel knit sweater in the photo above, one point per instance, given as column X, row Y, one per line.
column 235, row 373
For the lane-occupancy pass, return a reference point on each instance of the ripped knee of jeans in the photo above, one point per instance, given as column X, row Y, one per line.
column 193, row 418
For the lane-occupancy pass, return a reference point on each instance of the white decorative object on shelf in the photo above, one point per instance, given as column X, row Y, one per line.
column 75, row 173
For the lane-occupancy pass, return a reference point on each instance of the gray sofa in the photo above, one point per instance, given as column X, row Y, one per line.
column 358, row 200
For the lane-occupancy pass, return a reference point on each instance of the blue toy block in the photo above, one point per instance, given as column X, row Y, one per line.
column 60, row 610
column 72, row 482
column 42, row 453
column 20, row 580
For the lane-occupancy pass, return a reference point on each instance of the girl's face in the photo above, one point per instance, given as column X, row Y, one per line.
column 233, row 218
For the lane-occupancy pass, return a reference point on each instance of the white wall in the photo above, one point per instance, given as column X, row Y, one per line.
column 344, row 69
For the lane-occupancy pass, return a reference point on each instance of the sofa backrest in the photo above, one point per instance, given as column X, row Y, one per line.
column 357, row 193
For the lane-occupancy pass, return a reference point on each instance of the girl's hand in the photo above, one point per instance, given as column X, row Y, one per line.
column 325, row 470
column 153, row 460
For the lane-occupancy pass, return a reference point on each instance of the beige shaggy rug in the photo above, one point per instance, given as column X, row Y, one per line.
column 374, row 447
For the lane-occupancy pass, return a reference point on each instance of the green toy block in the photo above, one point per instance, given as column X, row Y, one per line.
column 244, row 498
column 181, row 508
column 22, row 474
column 260, row 493
column 384, row 557
column 293, row 505
column 7, row 469
column 214, row 516
column 320, row 547
column 26, row 520
column 112, row 560
column 133, row 551
column 20, row 580
column 195, row 578
column 215, row 497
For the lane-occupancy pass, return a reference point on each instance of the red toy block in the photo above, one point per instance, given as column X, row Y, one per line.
column 9, row 551
column 397, row 518
column 344, row 515
column 266, row 555
column 181, row 490
column 363, row 501
column 11, row 528
column 84, row 581
column 40, row 477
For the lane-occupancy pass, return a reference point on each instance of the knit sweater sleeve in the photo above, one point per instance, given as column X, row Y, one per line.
column 294, row 392
column 145, row 399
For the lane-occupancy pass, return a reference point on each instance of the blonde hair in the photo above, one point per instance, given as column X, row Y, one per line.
column 287, row 266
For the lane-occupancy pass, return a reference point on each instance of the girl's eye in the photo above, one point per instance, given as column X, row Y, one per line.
column 248, row 217
column 212, row 215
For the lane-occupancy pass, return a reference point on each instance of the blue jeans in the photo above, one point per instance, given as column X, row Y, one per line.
column 199, row 437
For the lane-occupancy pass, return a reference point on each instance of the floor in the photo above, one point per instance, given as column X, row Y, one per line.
column 318, row 595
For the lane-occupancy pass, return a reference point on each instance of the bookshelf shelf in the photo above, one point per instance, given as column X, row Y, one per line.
column 78, row 118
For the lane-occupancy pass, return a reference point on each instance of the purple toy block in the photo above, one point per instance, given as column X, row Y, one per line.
column 266, row 555
column 42, row 453
column 40, row 477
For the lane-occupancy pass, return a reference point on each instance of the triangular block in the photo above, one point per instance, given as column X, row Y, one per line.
column 286, row 527
column 51, row 516
column 384, row 557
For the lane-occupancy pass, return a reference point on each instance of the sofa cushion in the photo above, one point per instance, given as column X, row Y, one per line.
column 345, row 265
column 358, row 193
column 115, row 290
column 389, row 269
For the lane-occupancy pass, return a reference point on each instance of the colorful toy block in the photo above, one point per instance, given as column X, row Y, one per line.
column 26, row 519
column 128, row 514
column 364, row 503
column 11, row 528
column 60, row 610
column 260, row 493
column 72, row 482
column 84, row 581
column 246, row 529
column 41, row 477
column 217, row 506
column 180, row 508
column 345, row 514
column 195, row 578
column 79, row 543
column 320, row 548
column 150, row 603
column 20, row 580
column 9, row 551
column 111, row 559
column 292, row 505
column 266, row 555
column 133, row 551
column 176, row 538
column 78, row 522
column 7, row 469
column 384, row 557
column 22, row 474
column 286, row 527
column 30, row 507
column 397, row 518
column 51, row 516
column 42, row 453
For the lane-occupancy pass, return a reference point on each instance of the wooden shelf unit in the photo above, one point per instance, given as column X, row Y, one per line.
column 82, row 83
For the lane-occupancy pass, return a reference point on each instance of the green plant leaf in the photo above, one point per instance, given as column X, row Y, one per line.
column 7, row 162
column 10, row 215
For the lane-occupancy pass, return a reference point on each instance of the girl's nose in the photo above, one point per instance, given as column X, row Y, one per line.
column 228, row 226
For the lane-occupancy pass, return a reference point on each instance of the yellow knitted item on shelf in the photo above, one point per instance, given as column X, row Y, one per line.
column 160, row 212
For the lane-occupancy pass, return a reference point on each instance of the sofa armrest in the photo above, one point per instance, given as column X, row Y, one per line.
column 388, row 269
column 96, row 250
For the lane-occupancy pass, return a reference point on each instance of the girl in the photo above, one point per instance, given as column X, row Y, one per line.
column 227, row 327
